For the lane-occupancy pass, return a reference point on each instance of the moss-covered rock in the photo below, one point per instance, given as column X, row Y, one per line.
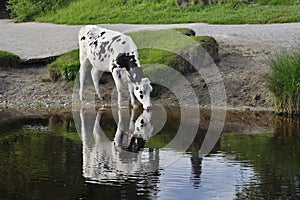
column 8, row 60
column 186, row 31
column 210, row 45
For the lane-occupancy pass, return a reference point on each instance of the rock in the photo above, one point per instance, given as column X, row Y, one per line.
column 256, row 97
column 210, row 45
column 186, row 31
column 198, row 53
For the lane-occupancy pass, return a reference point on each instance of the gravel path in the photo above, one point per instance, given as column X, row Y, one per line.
column 40, row 40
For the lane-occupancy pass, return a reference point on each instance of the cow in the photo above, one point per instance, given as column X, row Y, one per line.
column 115, row 52
column 105, row 159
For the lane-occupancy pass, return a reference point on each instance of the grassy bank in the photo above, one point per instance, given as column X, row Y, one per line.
column 284, row 82
column 8, row 59
column 157, row 11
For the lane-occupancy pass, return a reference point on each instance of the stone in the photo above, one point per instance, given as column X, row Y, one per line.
column 256, row 97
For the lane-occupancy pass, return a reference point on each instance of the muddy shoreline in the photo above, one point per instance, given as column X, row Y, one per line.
column 29, row 89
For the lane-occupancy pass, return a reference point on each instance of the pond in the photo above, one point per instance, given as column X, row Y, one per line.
column 125, row 155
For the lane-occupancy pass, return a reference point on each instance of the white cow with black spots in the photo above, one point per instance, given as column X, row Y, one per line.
column 111, row 51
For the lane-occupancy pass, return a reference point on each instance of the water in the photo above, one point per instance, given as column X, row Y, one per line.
column 87, row 155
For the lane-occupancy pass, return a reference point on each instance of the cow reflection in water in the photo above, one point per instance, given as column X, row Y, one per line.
column 105, row 160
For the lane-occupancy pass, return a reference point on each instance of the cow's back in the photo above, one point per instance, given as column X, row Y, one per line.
column 102, row 46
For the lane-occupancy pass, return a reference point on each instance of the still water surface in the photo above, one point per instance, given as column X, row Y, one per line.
column 87, row 155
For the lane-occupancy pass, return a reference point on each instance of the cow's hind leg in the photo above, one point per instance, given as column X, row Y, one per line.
column 95, row 76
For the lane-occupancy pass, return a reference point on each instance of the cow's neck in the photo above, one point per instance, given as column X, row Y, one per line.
column 136, row 74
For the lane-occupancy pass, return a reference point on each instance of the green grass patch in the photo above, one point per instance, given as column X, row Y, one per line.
column 157, row 12
column 185, row 31
column 65, row 67
column 8, row 59
column 284, row 82
column 29, row 10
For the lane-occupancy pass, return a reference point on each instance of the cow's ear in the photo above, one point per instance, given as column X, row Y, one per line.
column 121, row 59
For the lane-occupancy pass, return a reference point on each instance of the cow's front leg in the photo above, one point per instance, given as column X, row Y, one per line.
column 95, row 76
column 117, row 76
column 132, row 98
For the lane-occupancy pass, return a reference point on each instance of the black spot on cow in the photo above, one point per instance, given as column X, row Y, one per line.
column 119, row 74
column 137, row 88
column 82, row 38
column 113, row 40
column 141, row 92
column 102, row 33
column 124, row 42
column 103, row 47
column 118, row 40
column 116, row 37
column 141, row 96
column 96, row 43
column 114, row 67
column 124, row 60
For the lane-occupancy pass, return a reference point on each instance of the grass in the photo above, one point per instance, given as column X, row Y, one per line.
column 8, row 59
column 65, row 67
column 284, row 82
column 157, row 11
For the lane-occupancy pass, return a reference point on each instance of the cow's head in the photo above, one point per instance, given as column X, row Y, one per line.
column 142, row 131
column 142, row 92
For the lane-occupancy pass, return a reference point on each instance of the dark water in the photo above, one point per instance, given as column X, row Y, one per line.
column 87, row 155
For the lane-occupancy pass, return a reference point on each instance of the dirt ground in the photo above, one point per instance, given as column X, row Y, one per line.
column 242, row 70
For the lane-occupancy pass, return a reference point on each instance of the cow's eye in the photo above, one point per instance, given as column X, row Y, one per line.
column 137, row 88
column 141, row 96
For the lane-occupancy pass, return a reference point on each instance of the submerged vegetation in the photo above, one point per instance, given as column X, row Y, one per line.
column 156, row 11
column 284, row 82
